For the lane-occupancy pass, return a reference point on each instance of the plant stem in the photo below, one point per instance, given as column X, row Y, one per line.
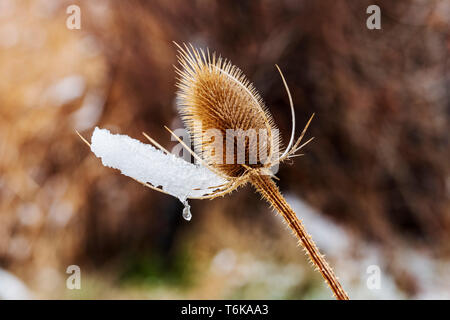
column 269, row 190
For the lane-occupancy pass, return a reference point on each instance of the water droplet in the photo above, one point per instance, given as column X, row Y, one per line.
column 187, row 211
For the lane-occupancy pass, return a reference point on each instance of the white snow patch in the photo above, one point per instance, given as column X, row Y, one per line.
column 145, row 163
column 12, row 288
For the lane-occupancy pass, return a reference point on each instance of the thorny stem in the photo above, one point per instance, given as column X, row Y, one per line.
column 269, row 190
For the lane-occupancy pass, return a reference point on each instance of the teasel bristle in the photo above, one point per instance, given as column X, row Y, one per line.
column 213, row 94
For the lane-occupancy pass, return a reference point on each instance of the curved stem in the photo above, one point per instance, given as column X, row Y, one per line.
column 268, row 189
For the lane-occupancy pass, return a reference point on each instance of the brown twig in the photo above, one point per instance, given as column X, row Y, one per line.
column 268, row 189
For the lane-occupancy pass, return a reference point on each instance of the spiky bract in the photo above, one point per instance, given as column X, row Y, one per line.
column 214, row 96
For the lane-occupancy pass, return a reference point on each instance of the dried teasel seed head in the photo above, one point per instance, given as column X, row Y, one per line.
column 222, row 110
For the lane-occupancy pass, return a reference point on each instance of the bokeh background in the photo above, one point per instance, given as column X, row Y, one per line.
column 373, row 188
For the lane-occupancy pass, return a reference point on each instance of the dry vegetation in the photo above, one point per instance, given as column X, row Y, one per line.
column 378, row 167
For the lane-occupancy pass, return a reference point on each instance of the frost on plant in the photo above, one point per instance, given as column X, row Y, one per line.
column 147, row 164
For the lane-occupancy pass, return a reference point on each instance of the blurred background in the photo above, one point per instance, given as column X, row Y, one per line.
column 373, row 188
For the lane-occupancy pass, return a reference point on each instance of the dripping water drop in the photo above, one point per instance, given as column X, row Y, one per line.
column 187, row 211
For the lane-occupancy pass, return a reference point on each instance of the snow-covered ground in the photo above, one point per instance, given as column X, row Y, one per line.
column 358, row 263
column 12, row 287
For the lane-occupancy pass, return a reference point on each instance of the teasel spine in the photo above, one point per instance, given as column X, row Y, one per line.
column 270, row 192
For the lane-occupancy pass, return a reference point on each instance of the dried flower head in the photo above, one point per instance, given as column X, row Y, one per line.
column 215, row 95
